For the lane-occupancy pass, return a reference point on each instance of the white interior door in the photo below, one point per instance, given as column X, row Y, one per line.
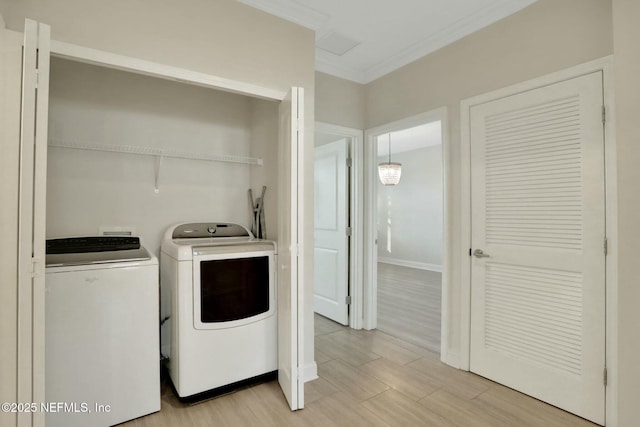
column 290, row 296
column 31, row 222
column 538, row 209
column 330, row 249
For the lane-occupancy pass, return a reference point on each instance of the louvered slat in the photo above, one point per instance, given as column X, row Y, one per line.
column 535, row 151
column 535, row 314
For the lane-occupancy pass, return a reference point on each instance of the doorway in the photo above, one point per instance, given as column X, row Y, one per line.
column 406, row 241
column 337, row 223
column 409, row 246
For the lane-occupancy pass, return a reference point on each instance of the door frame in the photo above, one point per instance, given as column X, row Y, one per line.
column 370, row 235
column 605, row 65
column 356, row 214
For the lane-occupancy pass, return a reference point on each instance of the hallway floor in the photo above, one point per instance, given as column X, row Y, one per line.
column 409, row 302
column 368, row 378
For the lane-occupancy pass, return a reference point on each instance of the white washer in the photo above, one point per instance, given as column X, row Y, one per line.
column 101, row 337
column 218, row 302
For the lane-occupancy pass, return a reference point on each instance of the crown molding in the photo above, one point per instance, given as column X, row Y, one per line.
column 325, row 63
column 319, row 22
column 291, row 11
column 448, row 35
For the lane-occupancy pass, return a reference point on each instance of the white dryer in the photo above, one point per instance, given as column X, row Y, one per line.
column 218, row 307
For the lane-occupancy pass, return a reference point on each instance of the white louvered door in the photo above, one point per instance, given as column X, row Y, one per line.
column 538, row 215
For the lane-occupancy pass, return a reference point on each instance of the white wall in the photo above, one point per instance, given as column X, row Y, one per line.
column 410, row 213
column 88, row 189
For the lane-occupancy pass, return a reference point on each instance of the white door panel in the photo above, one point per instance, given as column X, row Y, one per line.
column 330, row 231
column 31, row 226
column 538, row 318
column 289, row 291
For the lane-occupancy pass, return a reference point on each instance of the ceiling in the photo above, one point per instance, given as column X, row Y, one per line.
column 362, row 40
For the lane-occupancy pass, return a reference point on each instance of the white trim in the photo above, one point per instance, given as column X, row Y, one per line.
column 451, row 33
column 411, row 264
column 356, row 205
column 292, row 11
column 370, row 234
column 309, row 372
column 606, row 66
column 27, row 382
column 326, row 64
column 611, row 208
column 154, row 69
column 40, row 218
column 300, row 235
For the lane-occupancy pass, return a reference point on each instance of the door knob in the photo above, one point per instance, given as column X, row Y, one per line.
column 479, row 254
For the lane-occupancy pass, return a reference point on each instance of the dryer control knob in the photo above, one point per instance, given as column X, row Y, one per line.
column 211, row 230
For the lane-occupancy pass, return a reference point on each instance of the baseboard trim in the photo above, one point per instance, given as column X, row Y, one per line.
column 411, row 264
column 309, row 372
column 450, row 358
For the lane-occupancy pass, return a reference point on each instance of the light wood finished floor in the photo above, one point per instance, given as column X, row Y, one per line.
column 368, row 378
column 409, row 302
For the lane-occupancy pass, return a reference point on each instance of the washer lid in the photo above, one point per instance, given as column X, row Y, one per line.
column 94, row 250
column 89, row 258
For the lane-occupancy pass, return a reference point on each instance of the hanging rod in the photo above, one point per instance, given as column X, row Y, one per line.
column 158, row 152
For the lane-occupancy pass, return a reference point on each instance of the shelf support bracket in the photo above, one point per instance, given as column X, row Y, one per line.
column 158, row 166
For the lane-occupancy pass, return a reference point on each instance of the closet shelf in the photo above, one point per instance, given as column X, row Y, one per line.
column 157, row 152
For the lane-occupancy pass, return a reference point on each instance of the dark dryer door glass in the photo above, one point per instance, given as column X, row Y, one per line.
column 232, row 289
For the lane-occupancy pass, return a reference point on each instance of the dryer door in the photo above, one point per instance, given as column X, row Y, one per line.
column 232, row 286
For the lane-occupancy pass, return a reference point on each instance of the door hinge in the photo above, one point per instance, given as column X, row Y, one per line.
column 469, row 251
column 349, row 162
column 35, row 270
column 604, row 114
column 606, row 246
column 605, row 376
column 348, row 300
column 349, row 231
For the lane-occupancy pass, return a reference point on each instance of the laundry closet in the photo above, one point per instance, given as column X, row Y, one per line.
column 130, row 154
column 107, row 141
column 116, row 147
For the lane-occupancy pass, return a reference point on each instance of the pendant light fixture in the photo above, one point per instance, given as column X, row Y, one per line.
column 389, row 172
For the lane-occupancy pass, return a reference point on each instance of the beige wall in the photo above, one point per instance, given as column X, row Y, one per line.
column 219, row 37
column 339, row 101
column 10, row 54
column 548, row 36
column 626, row 33
column 88, row 189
